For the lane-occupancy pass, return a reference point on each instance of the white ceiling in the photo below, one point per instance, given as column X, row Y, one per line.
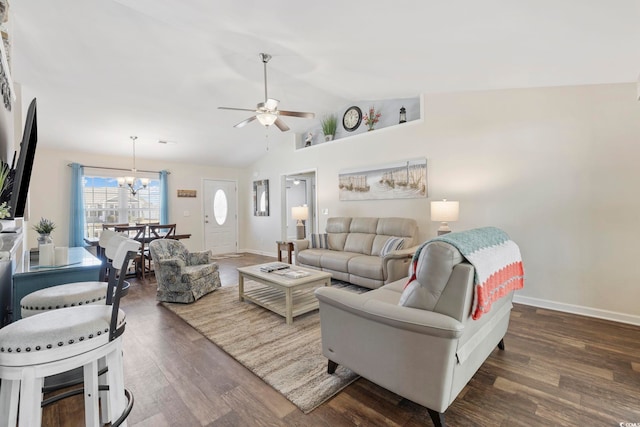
column 103, row 70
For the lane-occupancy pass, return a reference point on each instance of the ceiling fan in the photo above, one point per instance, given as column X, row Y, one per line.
column 267, row 112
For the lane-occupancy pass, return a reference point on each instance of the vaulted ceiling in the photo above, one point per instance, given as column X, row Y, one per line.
column 103, row 70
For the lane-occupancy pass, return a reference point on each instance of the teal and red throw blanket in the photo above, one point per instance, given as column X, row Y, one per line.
column 496, row 260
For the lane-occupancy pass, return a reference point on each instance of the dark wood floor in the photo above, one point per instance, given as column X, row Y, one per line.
column 558, row 369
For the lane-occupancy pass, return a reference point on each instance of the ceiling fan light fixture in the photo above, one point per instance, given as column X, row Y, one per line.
column 266, row 119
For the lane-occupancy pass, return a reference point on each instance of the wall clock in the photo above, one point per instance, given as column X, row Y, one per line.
column 352, row 118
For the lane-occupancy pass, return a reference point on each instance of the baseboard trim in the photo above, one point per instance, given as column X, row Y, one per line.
column 577, row 309
column 263, row 253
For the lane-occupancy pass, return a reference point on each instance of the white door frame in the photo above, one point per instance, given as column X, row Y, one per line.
column 283, row 199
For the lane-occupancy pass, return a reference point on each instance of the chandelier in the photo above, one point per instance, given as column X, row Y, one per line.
column 135, row 184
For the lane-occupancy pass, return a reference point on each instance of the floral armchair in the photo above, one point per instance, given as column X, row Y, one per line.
column 182, row 276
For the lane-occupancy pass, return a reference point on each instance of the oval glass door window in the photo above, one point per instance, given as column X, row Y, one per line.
column 220, row 208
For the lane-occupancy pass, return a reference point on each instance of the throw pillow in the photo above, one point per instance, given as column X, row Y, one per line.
column 392, row 244
column 319, row 241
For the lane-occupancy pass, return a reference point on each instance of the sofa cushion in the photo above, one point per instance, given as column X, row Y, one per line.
column 400, row 227
column 310, row 257
column 366, row 266
column 336, row 260
column 432, row 272
column 336, row 241
column 338, row 225
column 392, row 244
column 363, row 225
column 319, row 241
column 337, row 230
column 359, row 242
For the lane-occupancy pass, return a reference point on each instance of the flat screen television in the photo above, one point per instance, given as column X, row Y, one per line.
column 22, row 171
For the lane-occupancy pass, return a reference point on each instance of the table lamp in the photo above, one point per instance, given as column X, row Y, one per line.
column 444, row 211
column 300, row 213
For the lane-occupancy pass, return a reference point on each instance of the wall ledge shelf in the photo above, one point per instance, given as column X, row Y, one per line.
column 299, row 141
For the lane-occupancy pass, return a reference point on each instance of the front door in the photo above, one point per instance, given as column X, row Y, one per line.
column 220, row 216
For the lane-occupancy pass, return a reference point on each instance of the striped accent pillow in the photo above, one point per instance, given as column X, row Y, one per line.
column 319, row 241
column 392, row 244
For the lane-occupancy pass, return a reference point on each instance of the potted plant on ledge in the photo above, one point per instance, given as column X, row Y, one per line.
column 329, row 126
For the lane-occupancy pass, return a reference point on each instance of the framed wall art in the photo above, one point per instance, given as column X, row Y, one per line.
column 405, row 179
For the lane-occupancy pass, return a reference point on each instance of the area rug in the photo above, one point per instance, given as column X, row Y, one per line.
column 288, row 358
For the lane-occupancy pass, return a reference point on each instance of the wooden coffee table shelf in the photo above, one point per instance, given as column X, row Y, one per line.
column 286, row 297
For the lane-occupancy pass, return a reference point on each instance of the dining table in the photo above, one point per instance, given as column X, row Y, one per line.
column 144, row 239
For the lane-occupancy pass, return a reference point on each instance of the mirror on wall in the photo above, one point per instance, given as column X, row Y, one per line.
column 261, row 198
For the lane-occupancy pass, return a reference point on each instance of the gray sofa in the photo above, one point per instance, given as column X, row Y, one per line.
column 354, row 250
column 425, row 355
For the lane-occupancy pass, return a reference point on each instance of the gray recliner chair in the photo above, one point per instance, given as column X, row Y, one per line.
column 424, row 355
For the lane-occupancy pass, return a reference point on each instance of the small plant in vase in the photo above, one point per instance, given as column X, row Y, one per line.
column 329, row 126
column 371, row 118
column 44, row 227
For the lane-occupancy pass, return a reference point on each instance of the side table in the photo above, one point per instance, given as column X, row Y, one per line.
column 286, row 246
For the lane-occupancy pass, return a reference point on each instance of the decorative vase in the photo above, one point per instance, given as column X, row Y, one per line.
column 328, row 138
column 43, row 239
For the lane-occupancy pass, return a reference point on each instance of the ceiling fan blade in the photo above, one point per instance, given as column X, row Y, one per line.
column 281, row 125
column 244, row 122
column 271, row 104
column 237, row 109
column 297, row 114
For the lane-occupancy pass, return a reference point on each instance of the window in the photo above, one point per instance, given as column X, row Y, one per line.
column 220, row 207
column 106, row 202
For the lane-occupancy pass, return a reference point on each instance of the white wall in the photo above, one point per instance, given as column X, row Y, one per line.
column 555, row 167
column 51, row 182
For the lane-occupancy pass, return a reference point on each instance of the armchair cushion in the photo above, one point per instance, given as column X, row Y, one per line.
column 434, row 267
column 195, row 272
column 197, row 258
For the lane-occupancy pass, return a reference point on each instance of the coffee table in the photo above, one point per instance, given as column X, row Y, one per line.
column 282, row 295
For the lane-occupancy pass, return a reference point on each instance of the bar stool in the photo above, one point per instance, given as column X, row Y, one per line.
column 78, row 293
column 60, row 340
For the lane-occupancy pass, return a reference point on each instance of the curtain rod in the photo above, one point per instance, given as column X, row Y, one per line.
column 115, row 169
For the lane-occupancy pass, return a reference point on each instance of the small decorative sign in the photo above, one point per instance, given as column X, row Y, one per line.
column 186, row 193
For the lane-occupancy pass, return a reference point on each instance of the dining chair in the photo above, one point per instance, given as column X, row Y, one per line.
column 161, row 231
column 157, row 231
column 112, row 226
column 139, row 234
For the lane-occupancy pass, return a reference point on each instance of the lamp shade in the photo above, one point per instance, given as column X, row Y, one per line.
column 300, row 212
column 444, row 210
